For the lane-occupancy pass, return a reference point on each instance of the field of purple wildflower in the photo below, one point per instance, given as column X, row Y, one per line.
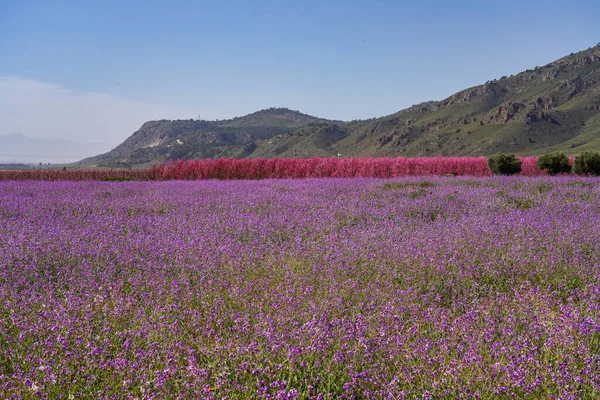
column 301, row 289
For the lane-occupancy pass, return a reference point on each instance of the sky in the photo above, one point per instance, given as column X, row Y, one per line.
column 94, row 71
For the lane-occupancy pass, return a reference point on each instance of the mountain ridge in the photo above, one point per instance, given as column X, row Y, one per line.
column 552, row 107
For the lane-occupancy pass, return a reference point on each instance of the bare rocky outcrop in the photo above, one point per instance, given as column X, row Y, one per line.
column 545, row 103
column 578, row 85
column 538, row 115
column 505, row 113
column 476, row 93
column 399, row 138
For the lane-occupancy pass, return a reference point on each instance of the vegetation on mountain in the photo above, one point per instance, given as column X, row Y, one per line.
column 551, row 108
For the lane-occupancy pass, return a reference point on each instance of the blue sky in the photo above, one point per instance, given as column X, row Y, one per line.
column 342, row 60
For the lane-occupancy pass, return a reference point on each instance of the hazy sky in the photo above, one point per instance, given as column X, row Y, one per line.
column 94, row 71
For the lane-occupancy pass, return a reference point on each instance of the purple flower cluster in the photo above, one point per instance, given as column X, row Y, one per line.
column 301, row 289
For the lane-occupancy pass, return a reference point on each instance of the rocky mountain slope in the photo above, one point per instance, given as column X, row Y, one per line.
column 554, row 107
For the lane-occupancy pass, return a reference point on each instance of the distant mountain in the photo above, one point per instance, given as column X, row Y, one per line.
column 554, row 107
column 23, row 149
column 238, row 137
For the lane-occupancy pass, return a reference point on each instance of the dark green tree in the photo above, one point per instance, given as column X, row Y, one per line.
column 587, row 163
column 504, row 164
column 554, row 163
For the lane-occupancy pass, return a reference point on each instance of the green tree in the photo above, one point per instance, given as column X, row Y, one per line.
column 587, row 163
column 504, row 164
column 554, row 163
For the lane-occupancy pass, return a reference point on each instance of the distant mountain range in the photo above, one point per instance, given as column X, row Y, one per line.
column 22, row 149
column 554, row 107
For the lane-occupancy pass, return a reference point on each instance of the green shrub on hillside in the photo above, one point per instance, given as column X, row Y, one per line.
column 554, row 163
column 587, row 163
column 504, row 164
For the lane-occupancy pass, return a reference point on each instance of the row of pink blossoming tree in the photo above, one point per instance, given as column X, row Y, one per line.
column 228, row 169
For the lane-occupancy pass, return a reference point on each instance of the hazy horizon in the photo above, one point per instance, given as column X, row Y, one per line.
column 93, row 73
